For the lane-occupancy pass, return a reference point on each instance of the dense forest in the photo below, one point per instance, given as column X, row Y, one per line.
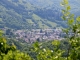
column 66, row 49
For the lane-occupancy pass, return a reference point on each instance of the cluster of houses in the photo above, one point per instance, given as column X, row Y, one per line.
column 39, row 34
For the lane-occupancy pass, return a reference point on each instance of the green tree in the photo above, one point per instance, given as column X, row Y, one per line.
column 72, row 32
column 9, row 52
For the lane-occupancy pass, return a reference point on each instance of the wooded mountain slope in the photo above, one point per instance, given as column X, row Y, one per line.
column 22, row 14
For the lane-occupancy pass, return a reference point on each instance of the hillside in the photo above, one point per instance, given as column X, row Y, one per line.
column 29, row 14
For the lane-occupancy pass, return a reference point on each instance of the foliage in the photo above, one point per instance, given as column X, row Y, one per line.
column 9, row 52
column 72, row 32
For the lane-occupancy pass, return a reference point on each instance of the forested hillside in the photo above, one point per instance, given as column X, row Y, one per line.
column 18, row 14
column 22, row 14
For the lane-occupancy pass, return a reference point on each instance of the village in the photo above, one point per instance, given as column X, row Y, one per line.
column 39, row 35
